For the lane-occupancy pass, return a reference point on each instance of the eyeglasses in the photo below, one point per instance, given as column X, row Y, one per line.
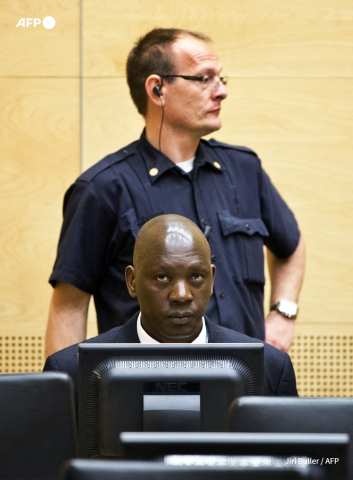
column 208, row 81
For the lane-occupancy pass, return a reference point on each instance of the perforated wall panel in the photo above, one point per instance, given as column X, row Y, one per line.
column 21, row 354
column 323, row 365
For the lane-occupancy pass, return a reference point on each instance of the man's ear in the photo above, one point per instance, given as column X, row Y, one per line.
column 130, row 280
column 153, row 86
column 213, row 267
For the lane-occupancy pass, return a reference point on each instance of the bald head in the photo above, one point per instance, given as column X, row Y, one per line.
column 172, row 230
column 172, row 278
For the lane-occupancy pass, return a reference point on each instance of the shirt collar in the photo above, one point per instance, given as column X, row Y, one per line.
column 157, row 163
column 145, row 338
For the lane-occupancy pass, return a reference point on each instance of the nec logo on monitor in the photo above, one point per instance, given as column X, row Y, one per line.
column 171, row 387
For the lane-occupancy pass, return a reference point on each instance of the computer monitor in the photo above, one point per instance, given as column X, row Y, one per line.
column 327, row 453
column 135, row 470
column 37, row 425
column 294, row 415
column 169, row 387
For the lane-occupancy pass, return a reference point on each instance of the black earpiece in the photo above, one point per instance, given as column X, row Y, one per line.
column 157, row 90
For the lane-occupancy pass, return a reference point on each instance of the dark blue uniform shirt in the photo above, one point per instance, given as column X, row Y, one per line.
column 227, row 194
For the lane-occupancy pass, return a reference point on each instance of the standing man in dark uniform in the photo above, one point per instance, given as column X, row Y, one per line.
column 175, row 81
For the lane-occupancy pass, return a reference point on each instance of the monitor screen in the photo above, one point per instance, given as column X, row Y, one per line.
column 162, row 387
column 326, row 453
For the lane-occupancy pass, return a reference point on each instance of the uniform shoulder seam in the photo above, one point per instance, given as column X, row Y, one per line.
column 216, row 144
column 107, row 162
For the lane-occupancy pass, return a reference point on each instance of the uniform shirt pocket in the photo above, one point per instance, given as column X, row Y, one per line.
column 248, row 234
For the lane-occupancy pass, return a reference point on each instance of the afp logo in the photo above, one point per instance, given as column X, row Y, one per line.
column 47, row 22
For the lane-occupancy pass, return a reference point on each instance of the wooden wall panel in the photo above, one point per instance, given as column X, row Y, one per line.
column 40, row 139
column 266, row 37
column 37, row 51
column 39, row 134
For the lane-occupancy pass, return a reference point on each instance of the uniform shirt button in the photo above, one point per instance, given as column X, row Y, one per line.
column 247, row 226
column 213, row 258
column 126, row 151
column 221, row 294
column 153, row 172
column 204, row 222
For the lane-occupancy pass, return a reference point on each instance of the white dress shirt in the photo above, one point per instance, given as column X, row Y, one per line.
column 145, row 338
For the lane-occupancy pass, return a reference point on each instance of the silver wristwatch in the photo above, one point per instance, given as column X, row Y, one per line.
column 287, row 308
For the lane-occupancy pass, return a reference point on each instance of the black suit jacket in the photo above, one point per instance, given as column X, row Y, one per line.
column 279, row 373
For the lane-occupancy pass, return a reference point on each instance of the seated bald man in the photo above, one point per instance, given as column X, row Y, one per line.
column 172, row 279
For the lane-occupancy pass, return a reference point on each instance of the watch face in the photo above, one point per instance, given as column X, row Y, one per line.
column 287, row 307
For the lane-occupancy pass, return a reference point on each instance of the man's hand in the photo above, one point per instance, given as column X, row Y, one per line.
column 67, row 322
column 279, row 331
